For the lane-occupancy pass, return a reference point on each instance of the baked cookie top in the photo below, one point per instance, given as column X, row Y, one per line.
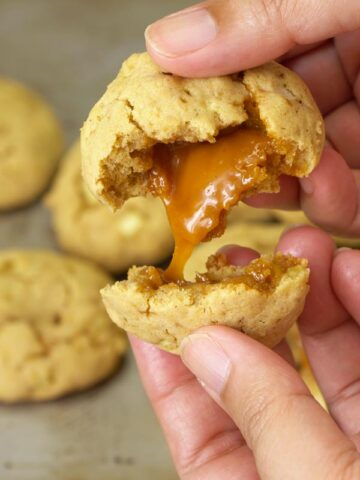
column 137, row 234
column 55, row 335
column 31, row 142
column 144, row 106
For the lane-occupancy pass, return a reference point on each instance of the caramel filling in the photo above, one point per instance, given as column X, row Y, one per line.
column 262, row 274
column 199, row 183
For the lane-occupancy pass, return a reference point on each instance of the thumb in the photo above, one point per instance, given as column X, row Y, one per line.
column 217, row 37
column 289, row 433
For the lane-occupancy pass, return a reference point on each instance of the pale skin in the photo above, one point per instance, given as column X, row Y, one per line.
column 230, row 408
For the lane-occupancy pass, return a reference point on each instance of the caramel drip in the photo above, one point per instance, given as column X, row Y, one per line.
column 198, row 182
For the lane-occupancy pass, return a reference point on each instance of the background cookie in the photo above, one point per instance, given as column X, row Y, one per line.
column 137, row 234
column 55, row 335
column 30, row 144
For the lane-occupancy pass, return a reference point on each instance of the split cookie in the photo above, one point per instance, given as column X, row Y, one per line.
column 202, row 145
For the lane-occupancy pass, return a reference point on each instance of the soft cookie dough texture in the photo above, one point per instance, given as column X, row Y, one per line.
column 55, row 335
column 137, row 234
column 143, row 107
column 31, row 142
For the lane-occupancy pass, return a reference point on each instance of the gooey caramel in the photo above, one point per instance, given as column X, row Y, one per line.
column 199, row 182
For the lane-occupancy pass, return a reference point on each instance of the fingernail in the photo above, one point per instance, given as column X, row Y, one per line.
column 307, row 185
column 207, row 360
column 182, row 32
column 342, row 249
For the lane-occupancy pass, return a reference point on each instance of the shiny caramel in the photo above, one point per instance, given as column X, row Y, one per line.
column 262, row 274
column 199, row 182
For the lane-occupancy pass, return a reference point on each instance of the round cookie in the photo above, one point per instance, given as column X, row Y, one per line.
column 137, row 234
column 262, row 237
column 263, row 300
column 31, row 142
column 144, row 106
column 55, row 335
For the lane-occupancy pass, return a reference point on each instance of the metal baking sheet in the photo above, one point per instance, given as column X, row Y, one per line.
column 69, row 50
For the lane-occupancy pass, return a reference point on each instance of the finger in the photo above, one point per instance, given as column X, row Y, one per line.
column 322, row 71
column 204, row 441
column 298, row 50
column 322, row 309
column 330, row 195
column 343, row 130
column 330, row 337
column 348, row 47
column 272, row 407
column 345, row 280
column 222, row 36
column 288, row 197
column 237, row 255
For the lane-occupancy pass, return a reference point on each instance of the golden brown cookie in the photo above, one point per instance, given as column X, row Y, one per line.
column 262, row 300
column 55, row 335
column 31, row 142
column 137, row 234
column 143, row 107
column 262, row 237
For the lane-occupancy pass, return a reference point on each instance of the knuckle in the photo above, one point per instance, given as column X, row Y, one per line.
column 259, row 415
column 281, row 14
column 269, row 10
column 345, row 464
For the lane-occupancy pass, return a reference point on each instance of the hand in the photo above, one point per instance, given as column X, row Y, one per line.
column 320, row 40
column 253, row 417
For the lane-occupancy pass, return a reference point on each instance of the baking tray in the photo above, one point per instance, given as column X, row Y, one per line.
column 69, row 50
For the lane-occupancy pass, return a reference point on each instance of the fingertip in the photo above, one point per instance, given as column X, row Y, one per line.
column 329, row 196
column 306, row 241
column 346, row 269
column 239, row 256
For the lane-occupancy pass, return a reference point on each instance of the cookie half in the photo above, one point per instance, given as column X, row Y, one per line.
column 31, row 142
column 262, row 300
column 55, row 335
column 144, row 107
column 137, row 234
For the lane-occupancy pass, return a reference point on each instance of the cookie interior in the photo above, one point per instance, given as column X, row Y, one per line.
column 139, row 137
column 254, row 163
column 262, row 274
